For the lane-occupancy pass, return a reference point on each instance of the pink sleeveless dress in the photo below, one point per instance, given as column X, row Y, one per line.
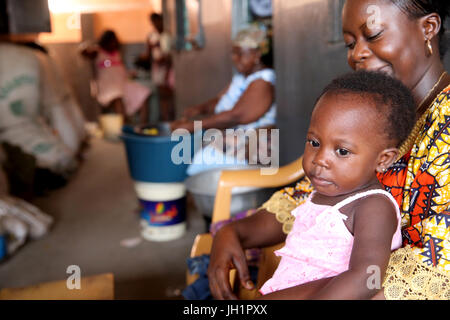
column 319, row 245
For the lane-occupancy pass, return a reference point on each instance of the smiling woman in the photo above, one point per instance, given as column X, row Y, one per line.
column 385, row 46
column 406, row 41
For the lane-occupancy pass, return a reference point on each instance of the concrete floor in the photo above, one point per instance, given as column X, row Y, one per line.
column 93, row 214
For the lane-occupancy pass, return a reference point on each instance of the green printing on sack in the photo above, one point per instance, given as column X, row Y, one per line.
column 42, row 148
column 17, row 108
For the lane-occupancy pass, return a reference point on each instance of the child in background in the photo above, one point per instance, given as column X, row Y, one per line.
column 114, row 89
column 349, row 225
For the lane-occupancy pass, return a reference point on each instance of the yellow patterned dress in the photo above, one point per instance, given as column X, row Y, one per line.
column 420, row 182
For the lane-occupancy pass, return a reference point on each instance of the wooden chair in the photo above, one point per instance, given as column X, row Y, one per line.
column 251, row 178
column 97, row 287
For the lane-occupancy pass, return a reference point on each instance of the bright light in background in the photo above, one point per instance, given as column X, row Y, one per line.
column 130, row 17
column 89, row 6
column 58, row 6
column 74, row 22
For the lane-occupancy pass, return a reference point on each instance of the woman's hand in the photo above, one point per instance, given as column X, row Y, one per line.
column 182, row 123
column 192, row 112
column 226, row 254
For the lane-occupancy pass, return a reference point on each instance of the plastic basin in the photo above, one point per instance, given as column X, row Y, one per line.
column 149, row 157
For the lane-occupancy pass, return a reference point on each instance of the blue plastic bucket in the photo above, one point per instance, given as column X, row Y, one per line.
column 159, row 181
column 149, row 157
column 3, row 247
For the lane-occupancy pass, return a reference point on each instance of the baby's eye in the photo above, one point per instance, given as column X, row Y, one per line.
column 342, row 152
column 313, row 143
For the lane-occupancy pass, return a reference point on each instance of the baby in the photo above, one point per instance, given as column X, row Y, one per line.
column 349, row 225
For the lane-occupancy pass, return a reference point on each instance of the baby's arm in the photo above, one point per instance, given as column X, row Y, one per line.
column 374, row 225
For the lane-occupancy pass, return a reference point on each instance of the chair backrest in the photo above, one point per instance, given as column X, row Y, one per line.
column 252, row 178
column 235, row 178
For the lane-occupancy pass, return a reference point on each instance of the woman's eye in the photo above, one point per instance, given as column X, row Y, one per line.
column 350, row 45
column 343, row 152
column 375, row 36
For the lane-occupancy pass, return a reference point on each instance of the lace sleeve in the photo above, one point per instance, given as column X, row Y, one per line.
column 409, row 279
column 285, row 200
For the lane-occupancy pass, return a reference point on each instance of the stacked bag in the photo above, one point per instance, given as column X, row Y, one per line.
column 41, row 126
column 37, row 111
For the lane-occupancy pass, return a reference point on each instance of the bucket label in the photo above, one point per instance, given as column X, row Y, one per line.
column 163, row 213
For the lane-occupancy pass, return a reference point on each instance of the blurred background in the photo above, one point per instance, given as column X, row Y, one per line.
column 88, row 214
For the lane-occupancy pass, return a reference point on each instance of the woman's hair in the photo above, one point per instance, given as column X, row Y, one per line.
column 107, row 38
column 419, row 8
column 393, row 100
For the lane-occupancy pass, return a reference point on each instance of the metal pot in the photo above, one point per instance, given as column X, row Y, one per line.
column 203, row 187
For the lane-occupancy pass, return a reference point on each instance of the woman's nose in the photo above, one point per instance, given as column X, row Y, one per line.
column 360, row 53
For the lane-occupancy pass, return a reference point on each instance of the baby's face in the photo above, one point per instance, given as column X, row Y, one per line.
column 343, row 144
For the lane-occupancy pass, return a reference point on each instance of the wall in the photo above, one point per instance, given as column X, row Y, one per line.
column 201, row 74
column 130, row 20
column 305, row 61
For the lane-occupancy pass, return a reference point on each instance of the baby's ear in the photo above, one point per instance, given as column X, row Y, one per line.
column 386, row 158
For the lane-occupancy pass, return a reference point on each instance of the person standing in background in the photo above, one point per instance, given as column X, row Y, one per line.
column 115, row 89
column 158, row 58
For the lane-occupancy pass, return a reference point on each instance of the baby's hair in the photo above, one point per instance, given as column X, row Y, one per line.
column 394, row 102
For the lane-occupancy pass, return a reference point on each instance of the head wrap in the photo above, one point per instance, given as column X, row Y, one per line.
column 252, row 37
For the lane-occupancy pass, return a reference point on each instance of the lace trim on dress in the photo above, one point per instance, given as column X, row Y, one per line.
column 285, row 200
column 407, row 278
column 281, row 208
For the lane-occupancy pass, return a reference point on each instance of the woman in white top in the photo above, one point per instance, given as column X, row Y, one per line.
column 248, row 102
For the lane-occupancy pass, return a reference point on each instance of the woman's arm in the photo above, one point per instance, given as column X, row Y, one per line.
column 252, row 105
column 206, row 108
column 254, row 102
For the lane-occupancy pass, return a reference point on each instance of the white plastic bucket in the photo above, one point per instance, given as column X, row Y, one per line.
column 163, row 213
column 111, row 125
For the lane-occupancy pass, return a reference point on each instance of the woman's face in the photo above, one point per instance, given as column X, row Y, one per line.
column 245, row 60
column 379, row 36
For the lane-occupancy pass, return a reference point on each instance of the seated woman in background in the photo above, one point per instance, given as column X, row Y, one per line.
column 114, row 88
column 247, row 103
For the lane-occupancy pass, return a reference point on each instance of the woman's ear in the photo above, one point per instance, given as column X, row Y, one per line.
column 386, row 158
column 431, row 25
